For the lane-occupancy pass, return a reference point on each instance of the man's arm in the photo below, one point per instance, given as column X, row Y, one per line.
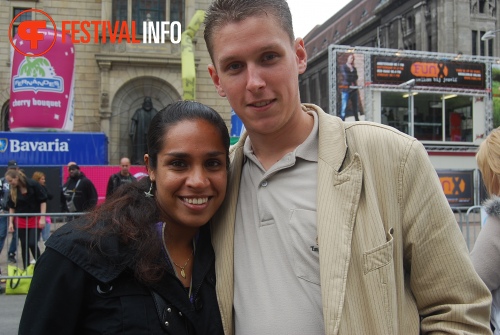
column 110, row 187
column 450, row 296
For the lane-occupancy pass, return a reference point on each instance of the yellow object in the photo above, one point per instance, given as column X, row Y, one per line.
column 187, row 56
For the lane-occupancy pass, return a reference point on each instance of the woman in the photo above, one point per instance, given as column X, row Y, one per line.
column 142, row 262
column 40, row 178
column 349, row 87
column 26, row 196
column 486, row 252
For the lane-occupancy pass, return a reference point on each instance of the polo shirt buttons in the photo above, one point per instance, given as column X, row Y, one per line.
column 264, row 183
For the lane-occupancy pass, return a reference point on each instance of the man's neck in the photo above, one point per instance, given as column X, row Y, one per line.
column 270, row 148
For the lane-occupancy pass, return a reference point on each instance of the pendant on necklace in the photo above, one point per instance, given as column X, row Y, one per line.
column 183, row 274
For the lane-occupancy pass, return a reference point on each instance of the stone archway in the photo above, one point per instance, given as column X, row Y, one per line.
column 128, row 98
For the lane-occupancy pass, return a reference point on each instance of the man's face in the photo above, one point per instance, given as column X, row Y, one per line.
column 73, row 172
column 256, row 68
column 125, row 167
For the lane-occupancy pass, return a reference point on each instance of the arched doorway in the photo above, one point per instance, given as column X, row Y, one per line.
column 126, row 101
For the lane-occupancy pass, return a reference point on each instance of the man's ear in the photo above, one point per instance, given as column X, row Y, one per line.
column 216, row 80
column 301, row 53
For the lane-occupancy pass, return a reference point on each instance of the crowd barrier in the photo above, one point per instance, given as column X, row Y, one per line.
column 468, row 220
column 57, row 220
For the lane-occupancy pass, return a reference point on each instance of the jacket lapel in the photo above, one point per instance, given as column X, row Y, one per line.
column 223, row 239
column 339, row 189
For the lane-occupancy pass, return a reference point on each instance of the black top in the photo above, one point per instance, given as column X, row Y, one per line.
column 29, row 202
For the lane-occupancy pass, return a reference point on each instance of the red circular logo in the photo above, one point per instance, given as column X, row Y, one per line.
column 28, row 31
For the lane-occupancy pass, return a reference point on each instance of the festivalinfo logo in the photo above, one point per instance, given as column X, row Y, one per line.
column 85, row 32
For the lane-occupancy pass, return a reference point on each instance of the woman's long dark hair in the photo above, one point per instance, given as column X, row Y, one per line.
column 133, row 216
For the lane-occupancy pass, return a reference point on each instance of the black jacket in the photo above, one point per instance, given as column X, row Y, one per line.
column 85, row 194
column 76, row 291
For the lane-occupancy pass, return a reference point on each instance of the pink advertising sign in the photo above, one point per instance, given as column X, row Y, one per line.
column 42, row 87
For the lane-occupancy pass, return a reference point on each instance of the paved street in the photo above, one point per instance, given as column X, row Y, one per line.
column 11, row 307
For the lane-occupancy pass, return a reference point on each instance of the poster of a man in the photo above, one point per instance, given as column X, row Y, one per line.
column 139, row 130
column 350, row 78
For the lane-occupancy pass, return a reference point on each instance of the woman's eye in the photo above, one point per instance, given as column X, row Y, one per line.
column 213, row 163
column 178, row 164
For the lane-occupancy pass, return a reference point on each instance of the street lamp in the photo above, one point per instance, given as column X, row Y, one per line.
column 489, row 35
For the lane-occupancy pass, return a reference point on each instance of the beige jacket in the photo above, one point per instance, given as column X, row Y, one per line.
column 390, row 249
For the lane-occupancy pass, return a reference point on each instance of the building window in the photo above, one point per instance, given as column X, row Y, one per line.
column 148, row 10
column 24, row 17
column 480, row 47
column 436, row 117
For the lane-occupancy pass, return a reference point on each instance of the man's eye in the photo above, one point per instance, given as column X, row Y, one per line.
column 269, row 57
column 234, row 66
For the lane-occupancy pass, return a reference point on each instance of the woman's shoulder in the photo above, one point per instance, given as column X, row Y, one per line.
column 102, row 256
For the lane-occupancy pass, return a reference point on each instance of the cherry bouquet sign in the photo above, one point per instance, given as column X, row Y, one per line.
column 42, row 83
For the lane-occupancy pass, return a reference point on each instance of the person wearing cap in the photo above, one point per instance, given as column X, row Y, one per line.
column 4, row 208
column 79, row 191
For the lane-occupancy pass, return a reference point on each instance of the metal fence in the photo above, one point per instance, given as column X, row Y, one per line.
column 468, row 220
column 12, row 240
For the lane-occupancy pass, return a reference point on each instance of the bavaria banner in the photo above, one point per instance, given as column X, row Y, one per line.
column 54, row 148
column 42, row 86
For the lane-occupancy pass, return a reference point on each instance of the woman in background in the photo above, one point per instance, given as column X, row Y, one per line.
column 486, row 252
column 142, row 262
column 26, row 196
column 40, row 178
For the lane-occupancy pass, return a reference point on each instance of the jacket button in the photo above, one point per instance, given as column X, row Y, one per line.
column 169, row 310
column 180, row 313
column 166, row 324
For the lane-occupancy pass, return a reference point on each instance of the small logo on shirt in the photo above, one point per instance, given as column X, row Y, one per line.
column 315, row 248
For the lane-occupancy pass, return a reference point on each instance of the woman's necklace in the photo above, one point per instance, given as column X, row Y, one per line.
column 183, row 273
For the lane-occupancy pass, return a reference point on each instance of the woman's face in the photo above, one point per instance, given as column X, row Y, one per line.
column 13, row 182
column 191, row 175
column 42, row 180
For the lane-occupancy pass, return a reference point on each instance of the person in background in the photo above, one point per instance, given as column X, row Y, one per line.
column 486, row 252
column 349, row 87
column 79, row 192
column 40, row 178
column 26, row 196
column 142, row 262
column 4, row 208
column 120, row 178
column 328, row 227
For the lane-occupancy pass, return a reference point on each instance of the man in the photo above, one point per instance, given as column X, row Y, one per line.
column 79, row 192
column 120, row 178
column 4, row 208
column 327, row 227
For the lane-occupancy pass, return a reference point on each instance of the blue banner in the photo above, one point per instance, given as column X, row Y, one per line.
column 43, row 148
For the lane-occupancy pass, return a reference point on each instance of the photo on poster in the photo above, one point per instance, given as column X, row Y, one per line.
column 350, row 83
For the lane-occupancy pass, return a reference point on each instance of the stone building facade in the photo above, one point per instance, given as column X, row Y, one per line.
column 111, row 80
column 444, row 26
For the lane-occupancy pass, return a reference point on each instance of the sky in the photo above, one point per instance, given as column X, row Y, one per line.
column 306, row 14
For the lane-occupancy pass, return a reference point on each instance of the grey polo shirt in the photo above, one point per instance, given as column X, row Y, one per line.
column 276, row 259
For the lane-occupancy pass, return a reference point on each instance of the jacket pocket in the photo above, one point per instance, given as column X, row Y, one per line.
column 128, row 307
column 380, row 256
